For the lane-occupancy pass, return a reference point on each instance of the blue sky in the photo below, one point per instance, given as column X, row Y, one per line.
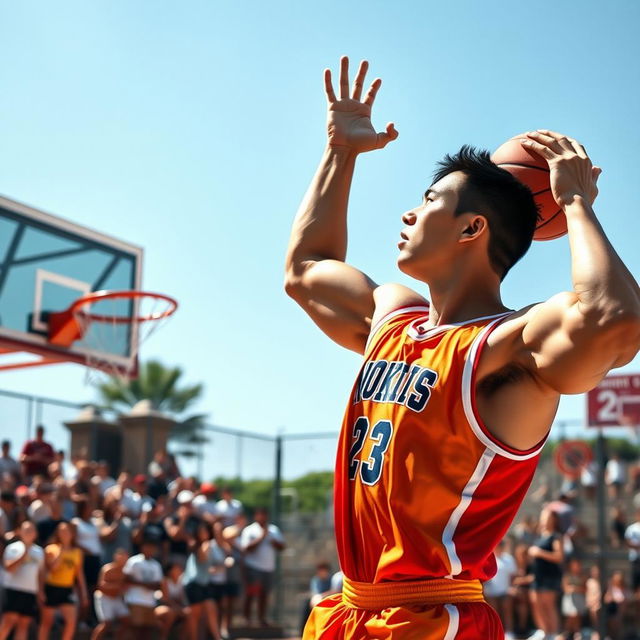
column 193, row 128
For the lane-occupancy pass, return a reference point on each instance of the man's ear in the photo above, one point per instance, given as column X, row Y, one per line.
column 473, row 226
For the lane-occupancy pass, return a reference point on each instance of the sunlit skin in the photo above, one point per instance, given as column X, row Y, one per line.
column 566, row 344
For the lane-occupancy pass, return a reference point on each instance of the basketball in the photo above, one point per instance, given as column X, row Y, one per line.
column 533, row 170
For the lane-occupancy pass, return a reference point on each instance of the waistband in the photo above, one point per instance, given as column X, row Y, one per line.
column 363, row 595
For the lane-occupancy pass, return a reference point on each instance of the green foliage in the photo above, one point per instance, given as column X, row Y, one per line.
column 313, row 491
column 159, row 385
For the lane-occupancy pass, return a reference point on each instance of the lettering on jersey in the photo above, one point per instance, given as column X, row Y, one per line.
column 397, row 382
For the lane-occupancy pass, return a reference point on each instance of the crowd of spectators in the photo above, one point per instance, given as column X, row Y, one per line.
column 548, row 587
column 131, row 556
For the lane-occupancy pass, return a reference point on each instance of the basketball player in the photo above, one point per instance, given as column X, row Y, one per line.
column 456, row 395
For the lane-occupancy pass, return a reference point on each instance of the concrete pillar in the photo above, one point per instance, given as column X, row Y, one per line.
column 101, row 439
column 145, row 430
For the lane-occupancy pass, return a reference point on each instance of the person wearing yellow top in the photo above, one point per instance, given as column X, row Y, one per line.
column 63, row 562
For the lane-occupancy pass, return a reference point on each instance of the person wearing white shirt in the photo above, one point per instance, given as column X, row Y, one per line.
column 497, row 589
column 23, row 563
column 228, row 508
column 632, row 540
column 144, row 574
column 615, row 476
column 205, row 504
column 260, row 542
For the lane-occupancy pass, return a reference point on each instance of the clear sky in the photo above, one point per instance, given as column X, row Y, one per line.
column 193, row 128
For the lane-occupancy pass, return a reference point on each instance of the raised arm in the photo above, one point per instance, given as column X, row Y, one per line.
column 571, row 341
column 337, row 297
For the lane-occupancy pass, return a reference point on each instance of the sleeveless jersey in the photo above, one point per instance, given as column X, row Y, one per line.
column 422, row 489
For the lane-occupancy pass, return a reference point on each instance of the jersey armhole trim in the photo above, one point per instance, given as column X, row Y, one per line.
column 470, row 408
column 389, row 316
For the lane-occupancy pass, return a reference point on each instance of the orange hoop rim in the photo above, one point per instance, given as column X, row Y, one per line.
column 78, row 308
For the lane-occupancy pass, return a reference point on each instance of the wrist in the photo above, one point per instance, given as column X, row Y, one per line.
column 340, row 151
column 575, row 202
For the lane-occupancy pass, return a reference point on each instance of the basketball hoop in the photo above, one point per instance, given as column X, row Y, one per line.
column 111, row 321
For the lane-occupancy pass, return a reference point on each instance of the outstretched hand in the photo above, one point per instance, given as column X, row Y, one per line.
column 572, row 174
column 349, row 118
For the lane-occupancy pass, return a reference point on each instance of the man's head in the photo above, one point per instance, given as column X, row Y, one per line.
column 149, row 548
column 39, row 433
column 475, row 214
column 6, row 445
column 261, row 516
column 120, row 557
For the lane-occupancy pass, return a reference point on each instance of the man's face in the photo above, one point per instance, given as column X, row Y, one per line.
column 430, row 238
column 5, row 449
column 39, row 433
column 261, row 518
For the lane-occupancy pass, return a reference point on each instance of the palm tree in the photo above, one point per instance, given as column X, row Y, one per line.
column 159, row 385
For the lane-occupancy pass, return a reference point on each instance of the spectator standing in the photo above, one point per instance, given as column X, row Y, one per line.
column 111, row 610
column 230, row 542
column 115, row 530
column 525, row 531
column 615, row 476
column 521, row 586
column 589, row 479
column 23, row 563
column 618, row 527
column 36, row 456
column 151, row 527
column 574, row 605
column 593, row 596
column 615, row 599
column 7, row 463
column 63, row 564
column 498, row 589
column 632, row 540
column 181, row 528
column 547, row 557
column 144, row 576
column 260, row 542
column 102, row 478
column 8, row 507
column 205, row 503
column 205, row 559
column 173, row 607
column 319, row 588
column 88, row 539
column 40, row 508
column 47, row 527
column 228, row 508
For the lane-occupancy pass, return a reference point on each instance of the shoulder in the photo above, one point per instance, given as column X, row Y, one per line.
column 36, row 551
column 392, row 297
column 14, row 549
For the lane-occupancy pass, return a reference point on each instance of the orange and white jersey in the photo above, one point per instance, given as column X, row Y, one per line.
column 422, row 489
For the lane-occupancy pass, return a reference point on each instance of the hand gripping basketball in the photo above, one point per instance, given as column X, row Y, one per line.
column 349, row 118
column 572, row 174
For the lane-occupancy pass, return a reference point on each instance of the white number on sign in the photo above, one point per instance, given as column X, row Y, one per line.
column 609, row 410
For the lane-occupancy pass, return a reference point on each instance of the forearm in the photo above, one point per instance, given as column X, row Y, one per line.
column 602, row 283
column 320, row 226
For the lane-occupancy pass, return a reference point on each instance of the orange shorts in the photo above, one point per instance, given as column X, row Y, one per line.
column 341, row 617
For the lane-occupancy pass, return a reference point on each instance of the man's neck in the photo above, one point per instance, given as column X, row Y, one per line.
column 464, row 296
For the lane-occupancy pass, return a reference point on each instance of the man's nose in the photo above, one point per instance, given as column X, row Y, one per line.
column 409, row 217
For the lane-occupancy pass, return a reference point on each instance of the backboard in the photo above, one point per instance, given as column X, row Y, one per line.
column 46, row 263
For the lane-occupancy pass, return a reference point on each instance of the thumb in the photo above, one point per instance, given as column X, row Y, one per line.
column 386, row 137
column 595, row 172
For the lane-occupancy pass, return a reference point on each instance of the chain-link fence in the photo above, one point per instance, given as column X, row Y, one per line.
column 293, row 475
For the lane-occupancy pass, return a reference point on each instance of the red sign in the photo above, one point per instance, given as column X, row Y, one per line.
column 615, row 402
column 572, row 456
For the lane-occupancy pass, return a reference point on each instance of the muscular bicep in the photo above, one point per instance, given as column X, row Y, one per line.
column 568, row 351
column 337, row 297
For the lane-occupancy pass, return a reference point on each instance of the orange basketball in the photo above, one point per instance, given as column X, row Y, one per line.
column 532, row 169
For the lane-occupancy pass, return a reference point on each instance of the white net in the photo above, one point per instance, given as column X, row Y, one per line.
column 114, row 328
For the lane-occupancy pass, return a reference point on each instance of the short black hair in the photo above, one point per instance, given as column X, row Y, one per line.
column 506, row 203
